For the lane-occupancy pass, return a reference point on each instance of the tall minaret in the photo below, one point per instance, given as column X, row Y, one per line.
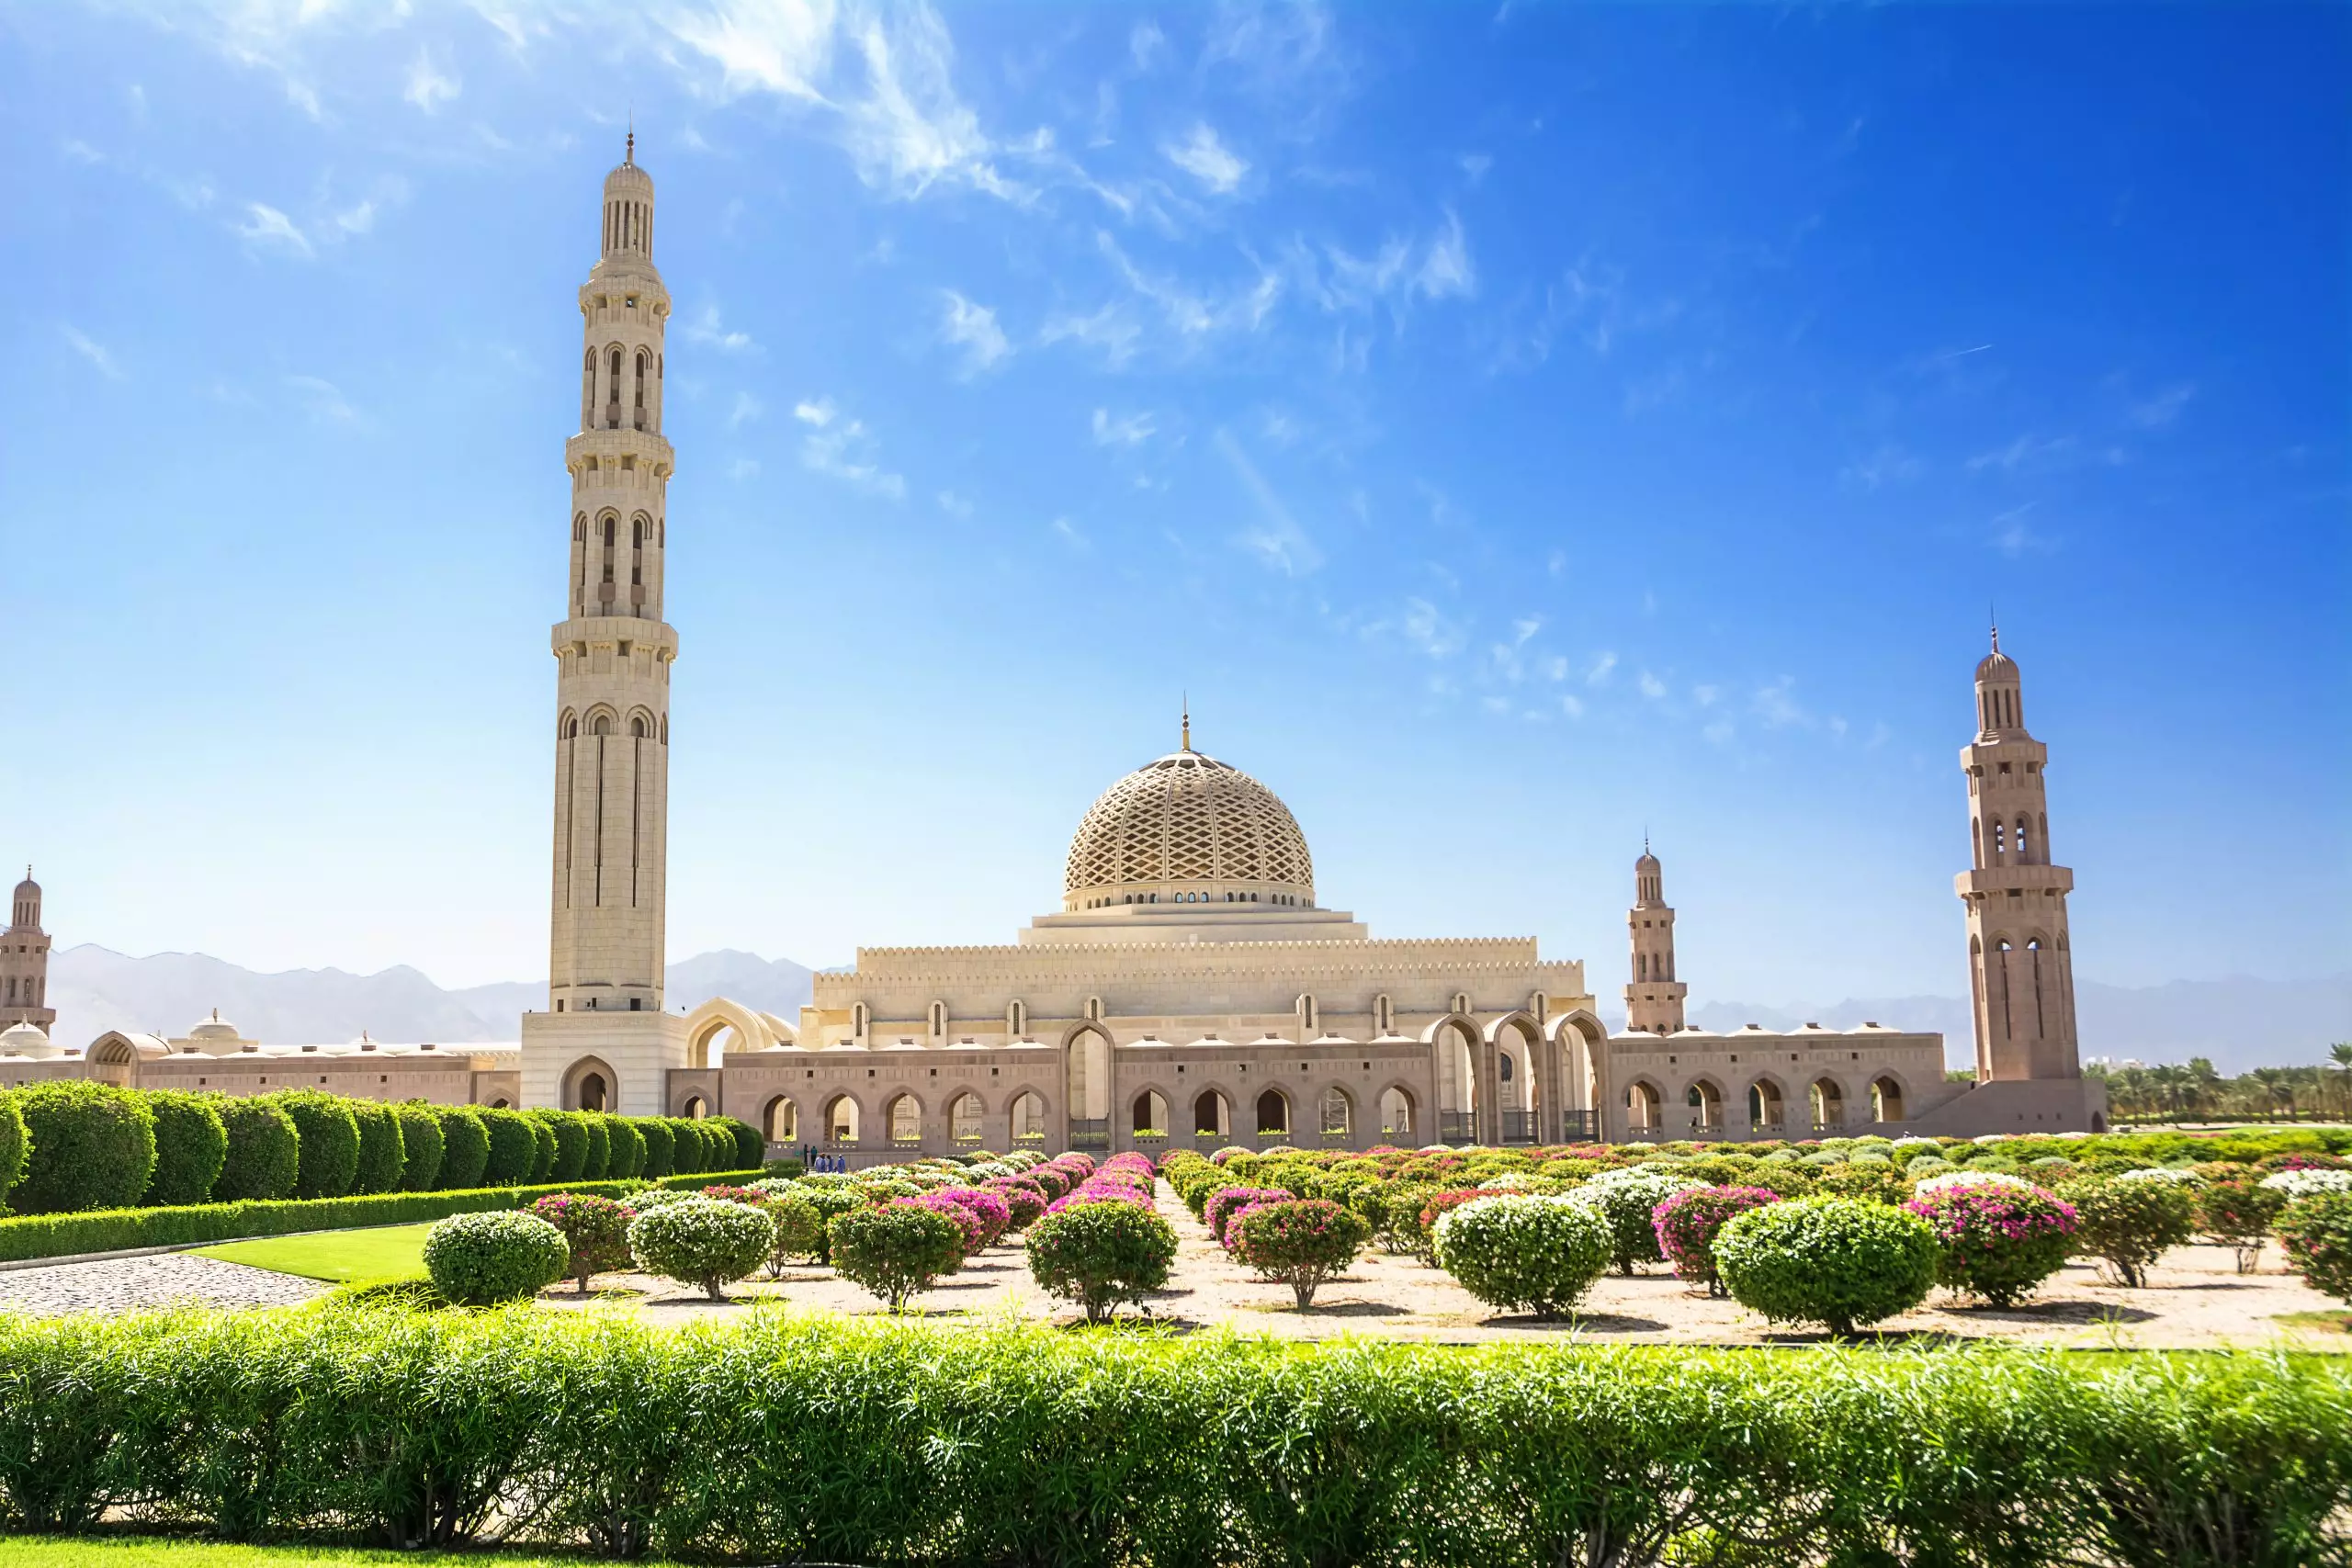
column 613, row 652
column 1654, row 999
column 2021, row 971
column 24, row 962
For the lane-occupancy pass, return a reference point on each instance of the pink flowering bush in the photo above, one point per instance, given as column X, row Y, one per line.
column 1996, row 1242
column 1054, row 1181
column 996, row 1216
column 597, row 1229
column 1226, row 1201
column 1101, row 1190
column 1300, row 1242
column 1024, row 1200
column 1687, row 1221
column 969, row 1226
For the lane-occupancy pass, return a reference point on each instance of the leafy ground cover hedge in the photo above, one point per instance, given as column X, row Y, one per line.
column 170, row 1551
column 110, row 1230
column 791, row 1438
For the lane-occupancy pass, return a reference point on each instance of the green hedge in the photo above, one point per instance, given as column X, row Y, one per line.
column 801, row 1438
column 110, row 1230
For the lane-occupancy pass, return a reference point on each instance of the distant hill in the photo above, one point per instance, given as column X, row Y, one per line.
column 2240, row 1023
column 95, row 990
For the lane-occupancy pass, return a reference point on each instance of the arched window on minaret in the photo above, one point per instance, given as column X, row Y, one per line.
column 2025, row 841
column 612, row 394
column 639, row 414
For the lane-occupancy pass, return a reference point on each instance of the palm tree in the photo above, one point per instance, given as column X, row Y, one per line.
column 2273, row 1083
column 2204, row 1083
column 2169, row 1081
column 2340, row 1053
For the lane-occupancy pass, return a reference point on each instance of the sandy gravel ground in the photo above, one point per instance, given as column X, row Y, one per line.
column 133, row 1284
column 2197, row 1300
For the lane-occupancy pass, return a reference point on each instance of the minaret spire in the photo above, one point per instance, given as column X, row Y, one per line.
column 1188, row 723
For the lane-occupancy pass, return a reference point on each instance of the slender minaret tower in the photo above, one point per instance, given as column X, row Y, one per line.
column 1654, row 999
column 2021, row 970
column 612, row 656
column 24, row 962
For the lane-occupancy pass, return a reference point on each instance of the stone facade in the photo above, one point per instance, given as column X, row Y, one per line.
column 214, row 1056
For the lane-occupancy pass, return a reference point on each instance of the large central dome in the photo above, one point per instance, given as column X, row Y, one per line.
column 1190, row 829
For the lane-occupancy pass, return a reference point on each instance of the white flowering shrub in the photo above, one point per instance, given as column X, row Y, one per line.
column 2308, row 1183
column 1540, row 1253
column 2179, row 1176
column 1946, row 1181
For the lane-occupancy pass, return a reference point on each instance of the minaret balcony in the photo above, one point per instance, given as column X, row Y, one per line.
column 651, row 450
column 1999, row 881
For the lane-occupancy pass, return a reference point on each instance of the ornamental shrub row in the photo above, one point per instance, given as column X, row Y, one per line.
column 73, row 1145
column 794, row 1438
column 110, row 1230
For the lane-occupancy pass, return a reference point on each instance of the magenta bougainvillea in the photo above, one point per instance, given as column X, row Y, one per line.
column 1687, row 1222
column 1226, row 1201
column 1996, row 1241
column 995, row 1214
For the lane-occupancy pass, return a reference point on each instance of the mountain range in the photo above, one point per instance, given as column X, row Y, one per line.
column 2240, row 1023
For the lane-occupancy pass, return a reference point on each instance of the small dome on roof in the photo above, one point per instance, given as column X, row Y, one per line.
column 214, row 1028
column 1997, row 666
column 23, row 1039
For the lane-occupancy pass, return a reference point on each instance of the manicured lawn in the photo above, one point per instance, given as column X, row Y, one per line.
column 375, row 1254
column 157, row 1552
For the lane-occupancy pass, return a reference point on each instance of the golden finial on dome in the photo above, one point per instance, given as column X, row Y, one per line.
column 1188, row 722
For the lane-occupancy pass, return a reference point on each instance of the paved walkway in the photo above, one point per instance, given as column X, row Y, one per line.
column 130, row 1284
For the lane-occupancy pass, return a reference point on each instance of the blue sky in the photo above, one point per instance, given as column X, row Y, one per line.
column 1513, row 428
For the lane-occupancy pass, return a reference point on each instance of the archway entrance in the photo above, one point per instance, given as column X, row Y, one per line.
column 1828, row 1105
column 1642, row 1109
column 1028, row 1117
column 1396, row 1113
column 1150, row 1114
column 1274, row 1114
column 1886, row 1101
column 1211, row 1118
column 781, row 1122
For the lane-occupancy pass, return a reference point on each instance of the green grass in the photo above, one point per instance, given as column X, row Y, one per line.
column 164, row 1552
column 380, row 1252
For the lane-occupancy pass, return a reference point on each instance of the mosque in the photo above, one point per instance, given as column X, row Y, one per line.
column 1191, row 990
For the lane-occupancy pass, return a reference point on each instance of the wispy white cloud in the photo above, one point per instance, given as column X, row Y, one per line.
column 2012, row 536
column 1427, row 628
column 743, row 468
column 1776, row 707
column 954, row 505
column 709, row 330
column 265, row 228
column 972, row 327
column 1112, row 331
column 1276, row 539
column 428, row 86
column 842, row 448
column 1133, row 430
column 2028, row 451
column 1571, row 705
column 1208, row 159
column 1071, row 534
column 1887, row 464
column 1597, row 673
column 2155, row 411
column 747, row 409
column 1651, row 686
column 1147, row 44
column 96, row 353
column 323, row 399
column 1446, row 272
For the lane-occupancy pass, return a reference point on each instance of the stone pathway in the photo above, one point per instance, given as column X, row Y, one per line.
column 133, row 1284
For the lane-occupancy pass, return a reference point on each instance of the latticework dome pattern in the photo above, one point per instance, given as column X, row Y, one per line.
column 1189, row 821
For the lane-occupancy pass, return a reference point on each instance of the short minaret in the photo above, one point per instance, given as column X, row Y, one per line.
column 1654, row 999
column 607, row 1042
column 2021, row 965
column 24, row 962
column 613, row 651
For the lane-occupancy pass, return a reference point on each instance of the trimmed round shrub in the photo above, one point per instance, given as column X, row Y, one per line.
column 420, row 1146
column 1626, row 1201
column 702, row 1241
column 751, row 1149
column 465, row 1147
column 799, row 1230
column 831, row 1203
column 2128, row 1225
column 1301, row 1243
column 513, row 1147
column 600, row 1146
column 595, row 1229
column 543, row 1147
column 13, row 1144
column 191, row 1145
column 650, row 1198
column 1099, row 1255
column 1871, row 1179
column 1526, row 1252
column 1022, row 1201
column 2238, row 1211
column 503, row 1256
column 2316, row 1232
column 330, row 1142
column 1839, row 1262
column 900, row 1248
column 689, row 1154
column 265, row 1150
column 570, row 1144
column 382, row 1155
column 1996, row 1242
column 995, row 1214
column 1687, row 1222
column 93, row 1147
column 1227, row 1201
column 661, row 1147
